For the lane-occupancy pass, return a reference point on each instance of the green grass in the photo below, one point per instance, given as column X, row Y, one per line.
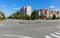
column 2, row 20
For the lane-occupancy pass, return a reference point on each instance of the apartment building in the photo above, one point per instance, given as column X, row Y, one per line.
column 45, row 13
column 26, row 10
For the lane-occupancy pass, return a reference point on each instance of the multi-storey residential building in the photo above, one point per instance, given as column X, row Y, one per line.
column 26, row 10
column 41, row 13
column 48, row 13
column 58, row 14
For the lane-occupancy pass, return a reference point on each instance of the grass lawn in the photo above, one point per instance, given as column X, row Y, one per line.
column 2, row 20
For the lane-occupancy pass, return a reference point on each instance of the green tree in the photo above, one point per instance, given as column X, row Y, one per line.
column 2, row 15
column 35, row 14
column 54, row 16
column 16, row 15
column 26, row 17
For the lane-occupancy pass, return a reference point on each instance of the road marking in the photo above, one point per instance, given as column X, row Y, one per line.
column 57, row 33
column 16, row 36
column 54, row 35
column 59, row 27
column 48, row 37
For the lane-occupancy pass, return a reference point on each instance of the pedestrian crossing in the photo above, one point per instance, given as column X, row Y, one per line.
column 15, row 36
column 54, row 35
column 48, row 37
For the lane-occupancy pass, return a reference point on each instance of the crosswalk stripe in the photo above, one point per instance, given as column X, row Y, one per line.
column 58, row 27
column 48, row 37
column 55, row 35
column 58, row 31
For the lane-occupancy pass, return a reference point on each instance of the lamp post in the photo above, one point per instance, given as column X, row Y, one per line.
column 39, row 15
column 49, row 14
column 30, row 17
column 50, row 10
column 31, row 12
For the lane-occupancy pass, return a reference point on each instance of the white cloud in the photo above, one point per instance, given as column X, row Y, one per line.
column 16, row 8
column 56, row 9
column 6, row 10
column 52, row 6
column 13, row 5
column 2, row 6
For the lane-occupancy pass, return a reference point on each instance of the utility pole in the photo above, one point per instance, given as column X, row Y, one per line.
column 30, row 5
column 49, row 13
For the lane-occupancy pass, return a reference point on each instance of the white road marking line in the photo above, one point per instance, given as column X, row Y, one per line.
column 15, row 36
column 48, row 37
column 58, row 31
column 24, row 37
column 59, row 27
column 55, row 35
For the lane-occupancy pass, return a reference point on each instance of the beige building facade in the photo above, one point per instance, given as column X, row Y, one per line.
column 48, row 13
column 26, row 10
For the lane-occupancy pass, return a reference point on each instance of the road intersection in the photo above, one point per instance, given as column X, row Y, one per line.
column 30, row 29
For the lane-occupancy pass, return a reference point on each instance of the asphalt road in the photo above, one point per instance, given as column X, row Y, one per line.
column 30, row 29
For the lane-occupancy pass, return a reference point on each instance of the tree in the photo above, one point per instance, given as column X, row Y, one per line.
column 2, row 15
column 27, row 17
column 54, row 16
column 35, row 14
column 16, row 15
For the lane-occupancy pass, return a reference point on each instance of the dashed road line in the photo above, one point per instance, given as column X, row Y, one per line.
column 15, row 36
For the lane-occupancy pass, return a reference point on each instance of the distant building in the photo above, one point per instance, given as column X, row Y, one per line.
column 48, row 14
column 42, row 13
column 26, row 10
column 45, row 13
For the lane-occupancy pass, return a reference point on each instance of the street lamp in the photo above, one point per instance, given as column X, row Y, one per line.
column 50, row 10
column 39, row 14
column 31, row 9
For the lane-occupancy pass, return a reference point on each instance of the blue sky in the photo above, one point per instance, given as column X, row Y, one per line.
column 11, row 6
